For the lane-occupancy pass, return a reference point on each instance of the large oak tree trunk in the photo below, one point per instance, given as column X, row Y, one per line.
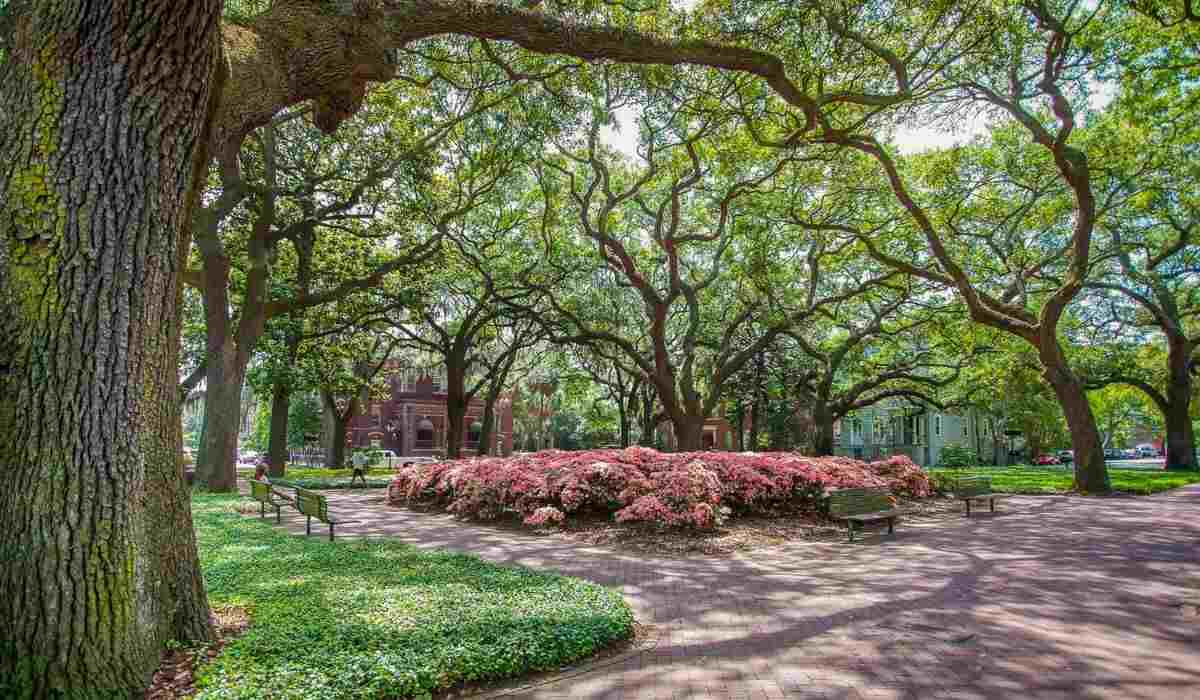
column 335, row 454
column 277, row 452
column 455, row 413
column 486, row 439
column 105, row 106
column 689, row 433
column 822, row 431
column 337, row 425
column 1181, row 440
column 222, row 413
column 456, row 409
column 1091, row 474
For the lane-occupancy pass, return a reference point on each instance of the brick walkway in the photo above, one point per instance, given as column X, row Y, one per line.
column 1054, row 597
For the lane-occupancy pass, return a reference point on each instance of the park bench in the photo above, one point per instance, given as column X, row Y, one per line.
column 313, row 505
column 976, row 488
column 266, row 495
column 862, row 506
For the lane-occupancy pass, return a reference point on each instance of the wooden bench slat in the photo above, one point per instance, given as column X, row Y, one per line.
column 877, row 515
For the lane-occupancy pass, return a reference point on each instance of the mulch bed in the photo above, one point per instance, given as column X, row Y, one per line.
column 175, row 677
column 738, row 534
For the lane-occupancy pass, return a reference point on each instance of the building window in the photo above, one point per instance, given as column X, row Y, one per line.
column 473, row 433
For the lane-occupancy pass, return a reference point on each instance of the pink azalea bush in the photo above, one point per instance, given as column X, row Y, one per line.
column 638, row 484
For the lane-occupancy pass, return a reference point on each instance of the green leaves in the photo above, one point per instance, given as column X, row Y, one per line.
column 368, row 619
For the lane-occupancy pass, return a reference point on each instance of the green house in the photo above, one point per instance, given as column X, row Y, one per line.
column 919, row 432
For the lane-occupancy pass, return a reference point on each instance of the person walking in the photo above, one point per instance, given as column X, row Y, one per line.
column 360, row 468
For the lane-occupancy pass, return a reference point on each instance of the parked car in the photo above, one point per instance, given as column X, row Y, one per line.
column 1046, row 459
column 1111, row 453
column 1129, row 454
column 1065, row 456
column 1144, row 451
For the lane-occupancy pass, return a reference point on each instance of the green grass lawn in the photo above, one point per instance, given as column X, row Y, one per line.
column 377, row 477
column 1058, row 479
column 371, row 619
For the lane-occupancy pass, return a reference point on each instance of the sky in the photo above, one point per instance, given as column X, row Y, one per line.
column 915, row 139
column 911, row 139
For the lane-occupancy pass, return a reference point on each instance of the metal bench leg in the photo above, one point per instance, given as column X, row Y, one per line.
column 850, row 529
column 262, row 509
column 891, row 526
column 330, row 532
column 992, row 504
column 968, row 507
column 308, row 525
column 277, row 515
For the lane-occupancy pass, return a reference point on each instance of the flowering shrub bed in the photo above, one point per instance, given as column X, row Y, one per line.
column 694, row 489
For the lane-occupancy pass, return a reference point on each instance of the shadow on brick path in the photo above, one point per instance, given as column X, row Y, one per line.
column 1052, row 597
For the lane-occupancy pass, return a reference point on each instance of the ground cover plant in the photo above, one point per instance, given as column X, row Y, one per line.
column 637, row 484
column 377, row 618
column 1036, row 480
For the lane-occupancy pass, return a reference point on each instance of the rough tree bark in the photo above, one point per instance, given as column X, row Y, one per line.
column 689, row 433
column 485, row 432
column 336, row 424
column 106, row 105
column 1090, row 473
column 277, row 452
column 822, row 429
column 281, row 392
column 456, row 405
column 222, row 412
column 1177, row 411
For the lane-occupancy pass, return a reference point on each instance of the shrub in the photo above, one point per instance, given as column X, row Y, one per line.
column 957, row 457
column 642, row 485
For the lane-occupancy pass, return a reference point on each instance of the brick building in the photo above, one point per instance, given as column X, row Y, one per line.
column 412, row 421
